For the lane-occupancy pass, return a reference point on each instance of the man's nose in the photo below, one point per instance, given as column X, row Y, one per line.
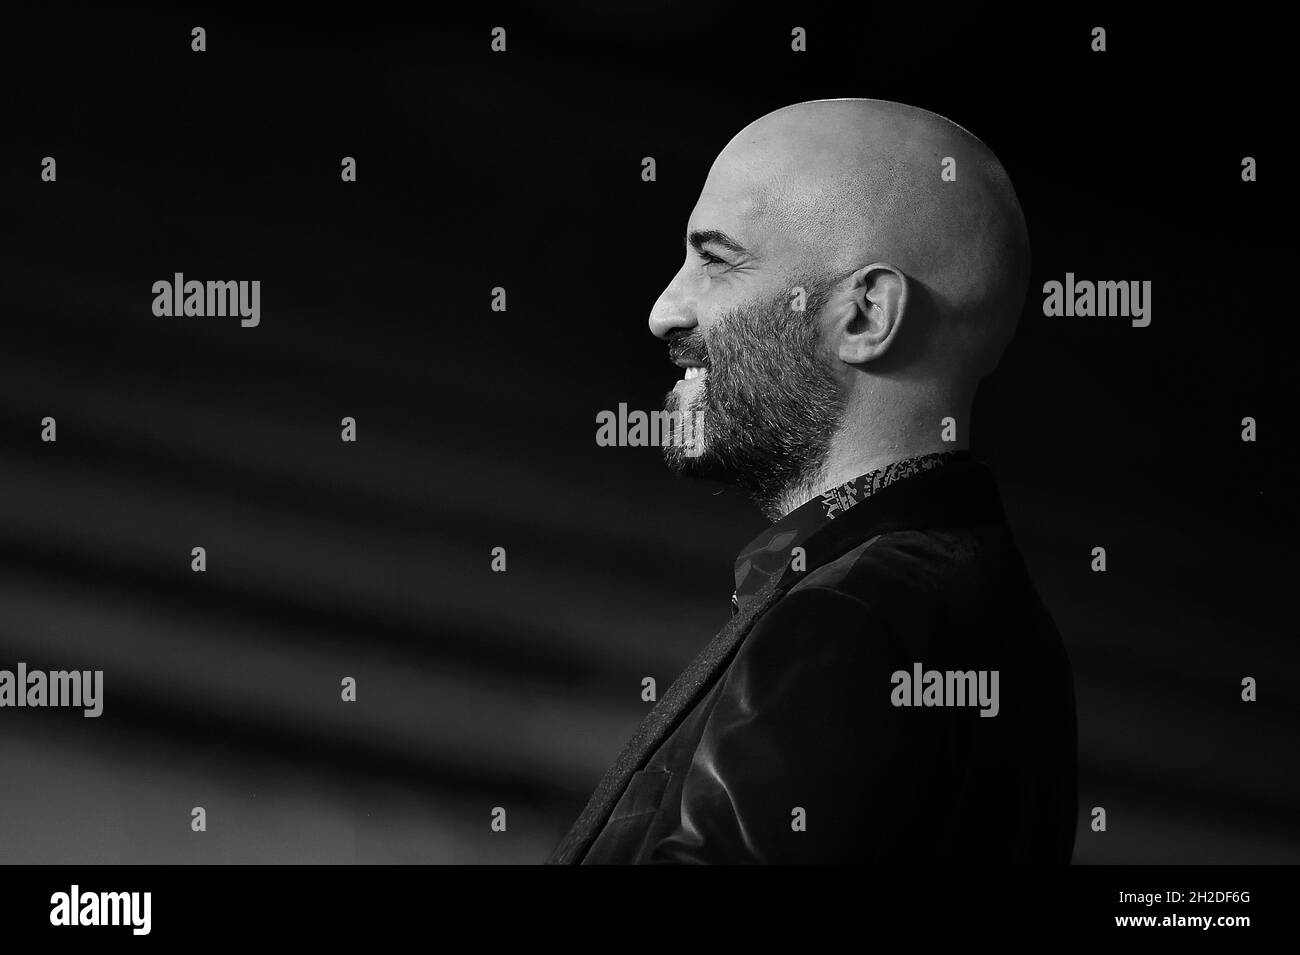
column 673, row 310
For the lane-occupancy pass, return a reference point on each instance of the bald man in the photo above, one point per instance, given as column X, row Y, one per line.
column 890, row 687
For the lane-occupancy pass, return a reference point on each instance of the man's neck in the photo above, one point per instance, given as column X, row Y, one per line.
column 845, row 464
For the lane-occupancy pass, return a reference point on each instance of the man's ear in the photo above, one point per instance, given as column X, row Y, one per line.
column 869, row 317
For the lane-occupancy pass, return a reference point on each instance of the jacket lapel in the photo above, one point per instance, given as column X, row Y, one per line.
column 659, row 722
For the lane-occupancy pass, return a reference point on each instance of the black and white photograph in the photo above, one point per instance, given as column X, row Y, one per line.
column 534, row 436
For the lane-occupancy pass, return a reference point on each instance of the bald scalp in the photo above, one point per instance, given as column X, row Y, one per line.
column 856, row 181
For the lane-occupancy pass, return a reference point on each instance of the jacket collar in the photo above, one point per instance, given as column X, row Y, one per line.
column 948, row 487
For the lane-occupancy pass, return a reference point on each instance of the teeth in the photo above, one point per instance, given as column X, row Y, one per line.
column 694, row 373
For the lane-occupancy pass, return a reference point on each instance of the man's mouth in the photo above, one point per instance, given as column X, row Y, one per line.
column 694, row 371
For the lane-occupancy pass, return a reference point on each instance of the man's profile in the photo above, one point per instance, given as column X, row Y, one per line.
column 890, row 686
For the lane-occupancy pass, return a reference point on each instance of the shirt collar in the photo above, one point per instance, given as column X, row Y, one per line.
column 771, row 554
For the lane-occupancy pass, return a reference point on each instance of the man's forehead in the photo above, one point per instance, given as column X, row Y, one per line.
column 740, row 204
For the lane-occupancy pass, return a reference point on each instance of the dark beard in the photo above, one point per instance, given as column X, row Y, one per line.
column 770, row 401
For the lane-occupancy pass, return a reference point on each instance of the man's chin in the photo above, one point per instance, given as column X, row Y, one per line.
column 681, row 460
column 692, row 458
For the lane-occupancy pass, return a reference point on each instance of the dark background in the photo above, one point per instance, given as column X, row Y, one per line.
column 477, row 428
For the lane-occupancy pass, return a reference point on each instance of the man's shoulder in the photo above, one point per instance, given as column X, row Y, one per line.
column 932, row 564
column 858, row 618
column 905, row 591
column 912, row 592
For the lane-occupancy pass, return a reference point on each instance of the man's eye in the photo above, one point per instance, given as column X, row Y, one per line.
column 709, row 258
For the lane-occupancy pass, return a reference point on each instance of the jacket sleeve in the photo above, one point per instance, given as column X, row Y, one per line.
column 803, row 759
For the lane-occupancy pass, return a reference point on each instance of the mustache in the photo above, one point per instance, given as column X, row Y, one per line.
column 688, row 347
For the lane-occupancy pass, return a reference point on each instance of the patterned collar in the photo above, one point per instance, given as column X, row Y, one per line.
column 769, row 554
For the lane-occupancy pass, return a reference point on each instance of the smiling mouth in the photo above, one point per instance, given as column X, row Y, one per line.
column 695, row 371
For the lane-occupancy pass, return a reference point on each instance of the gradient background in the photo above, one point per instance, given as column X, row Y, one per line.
column 477, row 429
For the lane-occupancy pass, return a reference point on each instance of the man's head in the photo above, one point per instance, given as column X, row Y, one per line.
column 853, row 269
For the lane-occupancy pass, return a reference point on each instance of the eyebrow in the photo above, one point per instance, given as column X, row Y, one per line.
column 699, row 237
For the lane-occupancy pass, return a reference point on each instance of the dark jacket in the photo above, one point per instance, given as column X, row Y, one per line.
column 782, row 742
